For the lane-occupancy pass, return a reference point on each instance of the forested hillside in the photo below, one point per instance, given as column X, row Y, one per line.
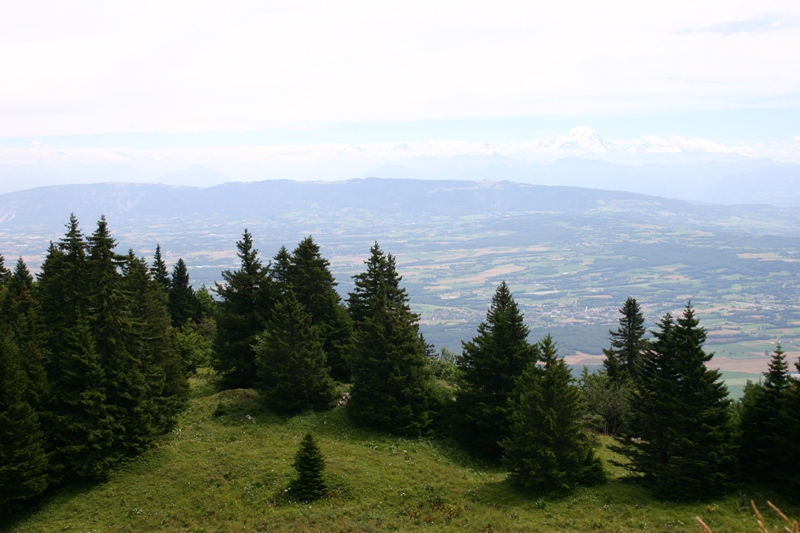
column 96, row 353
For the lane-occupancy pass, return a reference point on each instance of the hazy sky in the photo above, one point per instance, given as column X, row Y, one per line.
column 167, row 83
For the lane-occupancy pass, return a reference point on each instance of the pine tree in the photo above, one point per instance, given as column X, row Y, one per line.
column 23, row 459
column 310, row 279
column 294, row 376
column 114, row 330
column 309, row 463
column 183, row 304
column 281, row 265
column 246, row 301
column 4, row 272
column 391, row 382
column 549, row 448
column 19, row 311
column 490, row 365
column 159, row 358
column 381, row 278
column 62, row 290
column 81, row 426
column 159, row 271
column 790, row 478
column 764, row 419
column 679, row 437
column 627, row 344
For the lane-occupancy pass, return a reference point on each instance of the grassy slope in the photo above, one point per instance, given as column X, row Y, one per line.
column 226, row 472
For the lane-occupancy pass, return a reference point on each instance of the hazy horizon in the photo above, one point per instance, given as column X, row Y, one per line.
column 320, row 91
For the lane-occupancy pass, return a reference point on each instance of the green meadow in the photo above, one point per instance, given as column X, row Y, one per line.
column 226, row 466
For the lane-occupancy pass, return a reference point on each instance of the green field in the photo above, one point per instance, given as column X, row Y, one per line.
column 221, row 470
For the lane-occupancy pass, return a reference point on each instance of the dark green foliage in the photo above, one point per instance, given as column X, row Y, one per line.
column 764, row 422
column 23, row 459
column 62, row 291
column 159, row 271
column 4, row 272
column 607, row 402
column 183, row 304
column 157, row 353
column 549, row 449
column 490, row 364
column 309, row 463
column 281, row 264
column 627, row 344
column 678, row 437
column 81, row 425
column 292, row 370
column 391, row 384
column 19, row 311
column 380, row 277
column 246, row 301
column 791, row 476
column 308, row 275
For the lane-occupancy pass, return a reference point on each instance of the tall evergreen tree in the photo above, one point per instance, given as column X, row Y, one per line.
column 549, row 448
column 627, row 344
column 159, row 358
column 114, row 330
column 23, row 459
column 159, row 271
column 281, row 264
column 380, row 277
column 310, row 278
column 309, row 463
column 292, row 368
column 790, row 478
column 183, row 304
column 490, row 365
column 391, row 381
column 80, row 422
column 246, row 301
column 679, row 437
column 20, row 313
column 4, row 272
column 62, row 291
column 764, row 420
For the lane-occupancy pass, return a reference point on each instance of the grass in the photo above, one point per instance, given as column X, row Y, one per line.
column 227, row 465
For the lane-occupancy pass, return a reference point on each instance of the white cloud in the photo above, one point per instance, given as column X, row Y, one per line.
column 91, row 66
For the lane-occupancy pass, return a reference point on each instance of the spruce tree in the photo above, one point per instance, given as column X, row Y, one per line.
column 81, row 425
column 380, row 277
column 309, row 463
column 62, row 290
column 627, row 344
column 23, row 457
column 281, row 264
column 159, row 358
column 310, row 279
column 490, row 365
column 183, row 304
column 159, row 270
column 4, row 272
column 292, row 369
column 19, row 311
column 391, row 381
column 679, row 438
column 118, row 343
column 763, row 423
column 246, row 301
column 549, row 449
column 790, row 477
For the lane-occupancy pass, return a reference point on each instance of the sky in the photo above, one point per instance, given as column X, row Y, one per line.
column 263, row 89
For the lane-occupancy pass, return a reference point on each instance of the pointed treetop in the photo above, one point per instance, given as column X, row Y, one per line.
column 159, row 270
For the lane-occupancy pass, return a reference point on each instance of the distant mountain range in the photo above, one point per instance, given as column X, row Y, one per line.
column 52, row 205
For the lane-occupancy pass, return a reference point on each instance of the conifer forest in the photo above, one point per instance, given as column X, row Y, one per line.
column 98, row 348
